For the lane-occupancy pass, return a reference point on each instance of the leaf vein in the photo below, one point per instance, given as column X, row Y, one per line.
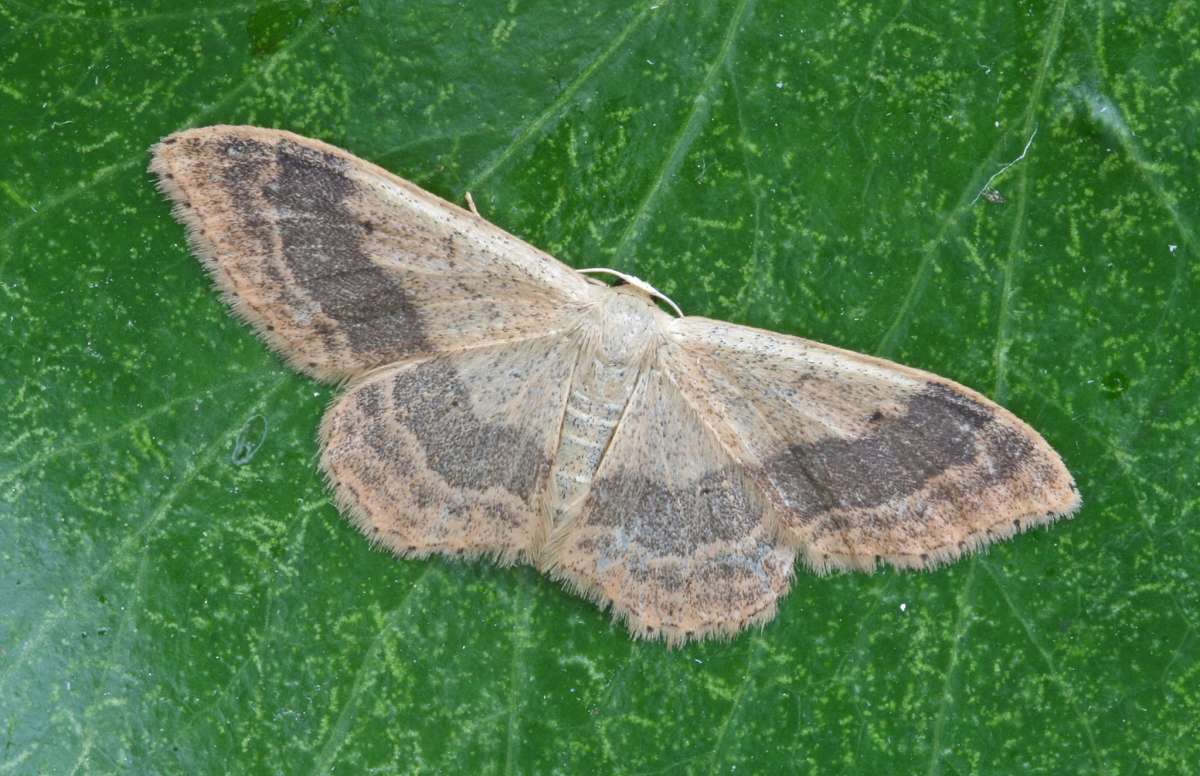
column 684, row 138
column 564, row 98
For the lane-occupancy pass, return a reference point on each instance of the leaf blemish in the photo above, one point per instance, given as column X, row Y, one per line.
column 249, row 440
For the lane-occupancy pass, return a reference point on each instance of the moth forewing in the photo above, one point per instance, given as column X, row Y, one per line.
column 868, row 461
column 342, row 266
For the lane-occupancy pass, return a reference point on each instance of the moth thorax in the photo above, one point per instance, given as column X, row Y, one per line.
column 630, row 323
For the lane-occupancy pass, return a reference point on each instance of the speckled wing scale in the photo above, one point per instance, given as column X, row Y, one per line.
column 500, row 404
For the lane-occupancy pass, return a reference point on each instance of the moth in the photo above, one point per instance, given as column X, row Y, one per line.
column 498, row 403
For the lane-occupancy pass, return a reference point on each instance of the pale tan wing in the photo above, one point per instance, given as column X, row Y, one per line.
column 672, row 534
column 342, row 266
column 867, row 461
column 452, row 454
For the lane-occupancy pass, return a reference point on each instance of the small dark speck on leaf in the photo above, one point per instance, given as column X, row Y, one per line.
column 1114, row 384
column 270, row 26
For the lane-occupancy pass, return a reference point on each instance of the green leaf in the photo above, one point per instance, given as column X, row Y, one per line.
column 178, row 595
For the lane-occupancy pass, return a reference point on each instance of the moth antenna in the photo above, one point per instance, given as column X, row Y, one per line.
column 471, row 204
column 637, row 283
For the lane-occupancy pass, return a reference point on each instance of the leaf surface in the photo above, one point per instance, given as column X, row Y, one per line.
column 177, row 593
